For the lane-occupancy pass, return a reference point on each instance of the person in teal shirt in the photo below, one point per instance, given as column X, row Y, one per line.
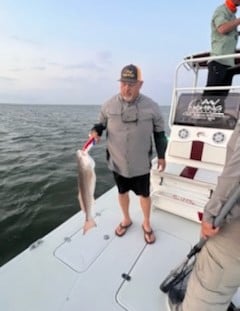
column 224, row 38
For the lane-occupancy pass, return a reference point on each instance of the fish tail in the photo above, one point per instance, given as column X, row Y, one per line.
column 89, row 224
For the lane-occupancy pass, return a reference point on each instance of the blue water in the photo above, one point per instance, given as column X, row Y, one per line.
column 38, row 173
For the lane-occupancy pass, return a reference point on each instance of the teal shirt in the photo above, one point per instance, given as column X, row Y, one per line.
column 223, row 44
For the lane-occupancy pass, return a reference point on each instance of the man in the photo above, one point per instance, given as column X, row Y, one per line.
column 131, row 119
column 224, row 37
column 215, row 277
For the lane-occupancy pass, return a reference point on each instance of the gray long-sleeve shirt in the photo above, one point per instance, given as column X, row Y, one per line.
column 130, row 128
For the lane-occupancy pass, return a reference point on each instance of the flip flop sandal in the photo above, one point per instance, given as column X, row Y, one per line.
column 123, row 229
column 148, row 235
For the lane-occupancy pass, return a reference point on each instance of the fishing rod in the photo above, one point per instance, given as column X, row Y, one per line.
column 178, row 274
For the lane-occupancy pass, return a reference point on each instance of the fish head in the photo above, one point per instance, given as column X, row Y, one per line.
column 84, row 159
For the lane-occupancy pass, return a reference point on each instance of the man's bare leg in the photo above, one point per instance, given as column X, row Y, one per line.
column 123, row 199
column 145, row 203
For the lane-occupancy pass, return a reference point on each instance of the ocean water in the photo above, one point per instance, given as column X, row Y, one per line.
column 38, row 172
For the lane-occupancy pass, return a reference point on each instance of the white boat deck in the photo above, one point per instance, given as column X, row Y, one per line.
column 70, row 271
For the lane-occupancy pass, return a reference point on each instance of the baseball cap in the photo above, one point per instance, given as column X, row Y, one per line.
column 131, row 73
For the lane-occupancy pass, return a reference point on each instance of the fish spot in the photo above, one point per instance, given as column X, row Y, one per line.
column 106, row 237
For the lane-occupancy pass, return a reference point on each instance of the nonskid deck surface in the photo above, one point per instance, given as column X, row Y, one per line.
column 69, row 271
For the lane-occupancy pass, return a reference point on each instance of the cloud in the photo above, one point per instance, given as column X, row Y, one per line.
column 97, row 62
column 7, row 79
column 24, row 40
column 17, row 69
column 54, row 64
column 70, row 79
column 104, row 57
column 88, row 65
column 38, row 68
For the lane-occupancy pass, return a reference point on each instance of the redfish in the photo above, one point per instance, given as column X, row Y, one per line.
column 86, row 187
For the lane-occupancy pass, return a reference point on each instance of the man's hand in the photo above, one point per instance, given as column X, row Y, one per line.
column 207, row 230
column 161, row 165
column 94, row 134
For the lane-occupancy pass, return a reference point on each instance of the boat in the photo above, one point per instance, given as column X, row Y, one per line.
column 68, row 271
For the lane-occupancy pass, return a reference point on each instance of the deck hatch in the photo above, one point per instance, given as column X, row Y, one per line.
column 77, row 252
column 142, row 291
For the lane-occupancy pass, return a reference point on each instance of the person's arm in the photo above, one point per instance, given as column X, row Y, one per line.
column 226, row 181
column 98, row 128
column 96, row 131
column 228, row 26
column 207, row 229
column 161, row 146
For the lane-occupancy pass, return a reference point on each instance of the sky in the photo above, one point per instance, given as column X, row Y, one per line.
column 71, row 52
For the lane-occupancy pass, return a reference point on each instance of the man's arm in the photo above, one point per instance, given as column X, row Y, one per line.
column 207, row 230
column 226, row 182
column 96, row 131
column 161, row 146
column 228, row 26
column 98, row 128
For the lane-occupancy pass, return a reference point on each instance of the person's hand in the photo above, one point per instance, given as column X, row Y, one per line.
column 94, row 135
column 161, row 165
column 207, row 230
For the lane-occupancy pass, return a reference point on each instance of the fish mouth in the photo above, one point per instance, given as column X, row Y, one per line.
column 81, row 152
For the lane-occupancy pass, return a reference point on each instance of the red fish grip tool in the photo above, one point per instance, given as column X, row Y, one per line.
column 88, row 144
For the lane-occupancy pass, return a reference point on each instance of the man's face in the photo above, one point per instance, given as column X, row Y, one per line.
column 130, row 90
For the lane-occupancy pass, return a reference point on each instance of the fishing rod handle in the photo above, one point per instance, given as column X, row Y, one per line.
column 228, row 205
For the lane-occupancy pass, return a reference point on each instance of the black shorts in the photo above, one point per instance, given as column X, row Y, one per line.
column 140, row 185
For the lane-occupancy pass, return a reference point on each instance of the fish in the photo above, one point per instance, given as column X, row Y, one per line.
column 86, row 187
